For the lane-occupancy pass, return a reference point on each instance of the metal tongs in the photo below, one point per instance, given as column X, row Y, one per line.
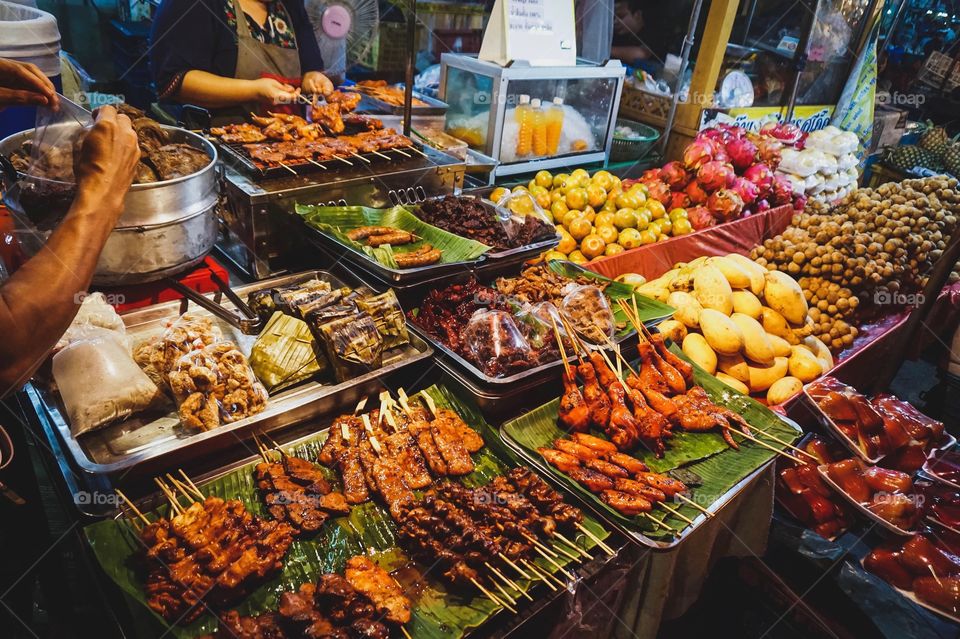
column 248, row 322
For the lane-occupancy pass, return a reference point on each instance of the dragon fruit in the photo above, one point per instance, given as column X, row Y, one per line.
column 725, row 204
column 674, row 175
column 742, row 152
column 799, row 202
column 715, row 175
column 761, row 206
column 721, row 154
column 747, row 190
column 769, row 152
column 659, row 190
column 782, row 192
column 698, row 153
column 786, row 132
column 700, row 217
column 696, row 193
column 761, row 175
column 678, row 200
column 650, row 175
column 715, row 134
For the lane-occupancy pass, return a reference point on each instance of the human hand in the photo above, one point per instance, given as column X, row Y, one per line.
column 22, row 83
column 316, row 83
column 274, row 91
column 107, row 161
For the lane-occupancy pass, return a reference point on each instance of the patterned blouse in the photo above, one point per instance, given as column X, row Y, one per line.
column 276, row 30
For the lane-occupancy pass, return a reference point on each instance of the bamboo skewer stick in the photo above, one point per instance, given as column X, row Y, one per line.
column 183, row 488
column 344, row 160
column 261, row 448
column 768, row 446
column 596, row 540
column 385, row 157
column 533, row 540
column 191, row 484
column 676, row 513
column 174, row 504
column 660, row 522
column 553, row 563
column 405, row 633
column 492, row 597
column 503, row 592
column 940, row 523
column 404, row 154
column 573, row 545
column 543, row 574
column 416, row 150
column 356, row 155
column 286, row 167
column 563, row 354
column 315, row 163
column 276, row 446
column 129, row 503
column 695, row 504
column 507, row 580
column 566, row 553
column 510, row 563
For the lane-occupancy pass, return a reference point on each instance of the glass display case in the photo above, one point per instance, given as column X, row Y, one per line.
column 532, row 118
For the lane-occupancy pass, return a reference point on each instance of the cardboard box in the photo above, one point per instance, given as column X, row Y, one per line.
column 889, row 125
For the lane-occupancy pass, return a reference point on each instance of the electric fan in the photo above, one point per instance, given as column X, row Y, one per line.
column 345, row 30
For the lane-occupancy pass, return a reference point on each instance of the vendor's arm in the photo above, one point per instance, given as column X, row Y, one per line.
column 308, row 49
column 214, row 91
column 22, row 83
column 630, row 53
column 40, row 300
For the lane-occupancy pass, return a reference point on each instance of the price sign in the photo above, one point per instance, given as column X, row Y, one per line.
column 540, row 32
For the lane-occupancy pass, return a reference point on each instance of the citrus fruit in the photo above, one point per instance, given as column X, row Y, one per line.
column 592, row 246
column 521, row 204
column 648, row 237
column 629, row 201
column 553, row 255
column 629, row 238
column 544, row 178
column 602, row 178
column 625, row 218
column 559, row 209
column 664, row 224
column 567, row 243
column 682, row 226
column 497, row 194
column 570, row 216
column 589, row 213
column 596, row 195
column 656, row 208
column 613, row 249
column 604, row 218
column 607, row 232
column 579, row 228
column 580, row 174
column 576, row 198
column 577, row 257
column 678, row 212
column 559, row 179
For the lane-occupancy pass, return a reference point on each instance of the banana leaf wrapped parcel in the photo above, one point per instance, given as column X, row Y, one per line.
column 285, row 353
column 353, row 345
column 389, row 318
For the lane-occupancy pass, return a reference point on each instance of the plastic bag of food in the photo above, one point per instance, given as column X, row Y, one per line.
column 100, row 383
column 215, row 385
column 94, row 312
column 523, row 219
column 494, row 342
column 353, row 345
column 159, row 356
column 549, row 315
column 387, row 314
column 588, row 311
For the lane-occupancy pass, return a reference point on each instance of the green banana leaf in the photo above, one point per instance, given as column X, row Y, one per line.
column 650, row 310
column 705, row 454
column 437, row 612
column 337, row 221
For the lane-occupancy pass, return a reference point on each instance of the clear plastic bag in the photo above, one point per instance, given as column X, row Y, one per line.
column 56, row 141
column 215, row 385
column 100, row 383
column 549, row 315
column 493, row 340
column 95, row 312
column 523, row 219
column 589, row 313
column 159, row 357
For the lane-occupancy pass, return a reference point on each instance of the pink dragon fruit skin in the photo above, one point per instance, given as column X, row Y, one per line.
column 700, row 217
column 715, row 175
column 650, row 175
column 678, row 200
column 786, row 132
column 761, row 206
column 761, row 175
column 742, row 152
column 725, row 204
column 696, row 193
column 659, row 190
column 698, row 153
column 747, row 190
column 674, row 175
column 769, row 152
column 782, row 192
column 799, row 202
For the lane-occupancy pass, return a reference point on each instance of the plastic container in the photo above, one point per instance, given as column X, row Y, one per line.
column 524, row 116
column 635, row 147
column 538, row 117
column 28, row 35
column 554, row 122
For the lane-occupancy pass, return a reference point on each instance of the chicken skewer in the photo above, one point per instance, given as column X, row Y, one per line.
column 573, row 412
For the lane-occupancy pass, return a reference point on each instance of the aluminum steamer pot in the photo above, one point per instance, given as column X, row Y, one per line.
column 166, row 227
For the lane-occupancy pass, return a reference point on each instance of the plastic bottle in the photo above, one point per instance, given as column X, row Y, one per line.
column 538, row 117
column 525, row 126
column 554, row 118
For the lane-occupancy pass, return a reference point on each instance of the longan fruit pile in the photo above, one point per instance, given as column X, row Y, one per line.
column 830, row 306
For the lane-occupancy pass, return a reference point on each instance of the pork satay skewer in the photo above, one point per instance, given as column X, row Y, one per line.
column 691, row 502
column 286, row 167
column 586, row 531
column 181, row 487
column 660, row 522
column 767, row 446
column 344, row 160
column 676, row 513
column 507, row 580
column 491, row 596
column 315, row 163
column 563, row 354
column 510, row 563
column 174, row 504
column 543, row 574
column 354, row 154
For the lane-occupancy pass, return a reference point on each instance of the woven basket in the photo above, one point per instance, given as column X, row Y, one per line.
column 633, row 148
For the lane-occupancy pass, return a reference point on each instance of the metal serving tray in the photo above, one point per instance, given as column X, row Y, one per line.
column 151, row 441
column 633, row 535
column 337, row 250
column 372, row 105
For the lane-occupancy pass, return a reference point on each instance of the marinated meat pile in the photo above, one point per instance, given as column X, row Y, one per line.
column 297, row 492
column 467, row 217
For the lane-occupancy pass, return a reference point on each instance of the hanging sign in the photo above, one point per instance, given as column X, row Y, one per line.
column 808, row 118
column 539, row 32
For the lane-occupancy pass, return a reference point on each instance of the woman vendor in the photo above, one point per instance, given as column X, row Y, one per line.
column 235, row 56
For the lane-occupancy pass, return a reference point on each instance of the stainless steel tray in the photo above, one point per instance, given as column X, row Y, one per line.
column 633, row 535
column 336, row 249
column 370, row 104
column 149, row 441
